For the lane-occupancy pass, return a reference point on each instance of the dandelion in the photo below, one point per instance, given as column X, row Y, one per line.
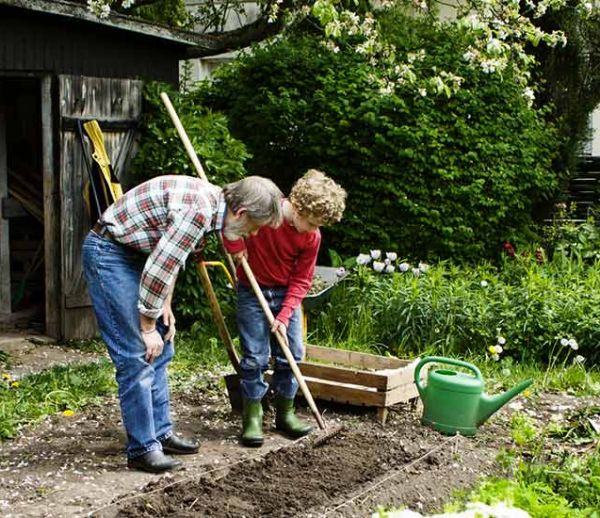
column 404, row 267
column 6, row 376
column 564, row 342
column 68, row 413
column 363, row 259
column 573, row 344
column 578, row 360
column 492, row 349
column 483, row 284
column 378, row 266
column 375, row 254
column 392, row 256
column 501, row 340
column 15, row 384
column 390, row 268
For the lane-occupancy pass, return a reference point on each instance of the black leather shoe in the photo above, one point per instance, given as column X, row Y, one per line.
column 176, row 445
column 154, row 461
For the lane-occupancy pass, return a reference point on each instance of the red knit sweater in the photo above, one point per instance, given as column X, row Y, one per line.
column 280, row 257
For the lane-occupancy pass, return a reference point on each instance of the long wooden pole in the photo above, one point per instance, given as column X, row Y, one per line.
column 204, row 278
column 283, row 344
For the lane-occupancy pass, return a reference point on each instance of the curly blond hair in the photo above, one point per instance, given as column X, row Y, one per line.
column 317, row 196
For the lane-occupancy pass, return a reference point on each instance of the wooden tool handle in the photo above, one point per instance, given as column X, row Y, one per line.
column 283, row 343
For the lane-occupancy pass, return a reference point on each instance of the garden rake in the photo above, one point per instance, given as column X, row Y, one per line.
column 326, row 432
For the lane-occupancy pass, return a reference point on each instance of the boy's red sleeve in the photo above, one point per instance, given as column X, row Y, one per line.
column 233, row 247
column 300, row 279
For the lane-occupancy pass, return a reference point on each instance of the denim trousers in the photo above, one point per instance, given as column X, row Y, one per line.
column 113, row 274
column 258, row 344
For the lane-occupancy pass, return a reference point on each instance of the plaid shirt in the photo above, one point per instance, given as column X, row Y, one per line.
column 166, row 218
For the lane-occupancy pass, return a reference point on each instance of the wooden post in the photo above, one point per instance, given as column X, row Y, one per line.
column 5, row 295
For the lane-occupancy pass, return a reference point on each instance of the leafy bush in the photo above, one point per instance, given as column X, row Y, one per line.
column 161, row 152
column 541, row 311
column 430, row 175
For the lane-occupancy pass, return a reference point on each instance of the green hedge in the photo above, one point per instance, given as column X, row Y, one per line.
column 430, row 176
column 463, row 311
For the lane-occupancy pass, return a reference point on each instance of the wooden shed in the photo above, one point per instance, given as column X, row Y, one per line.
column 58, row 64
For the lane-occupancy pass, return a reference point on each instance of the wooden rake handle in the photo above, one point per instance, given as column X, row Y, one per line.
column 283, row 344
column 204, row 278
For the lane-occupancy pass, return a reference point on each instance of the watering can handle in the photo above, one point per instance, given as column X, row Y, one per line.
column 441, row 359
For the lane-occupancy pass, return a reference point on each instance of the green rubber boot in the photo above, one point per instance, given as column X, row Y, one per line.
column 286, row 420
column 252, row 422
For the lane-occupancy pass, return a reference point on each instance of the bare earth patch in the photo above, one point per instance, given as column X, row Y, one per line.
column 76, row 466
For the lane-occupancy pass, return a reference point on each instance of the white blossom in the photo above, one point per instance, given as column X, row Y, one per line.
column 578, row 360
column 390, row 268
column 363, row 259
column 483, row 284
column 378, row 266
column 498, row 349
column 573, row 344
column 501, row 340
column 375, row 254
column 392, row 256
column 423, row 267
column 564, row 342
column 416, row 272
column 403, row 267
column 340, row 272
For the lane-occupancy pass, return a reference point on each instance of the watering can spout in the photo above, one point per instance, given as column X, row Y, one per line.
column 490, row 404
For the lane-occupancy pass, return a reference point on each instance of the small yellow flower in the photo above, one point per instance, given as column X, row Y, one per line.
column 15, row 384
column 527, row 393
column 492, row 349
column 68, row 413
column 6, row 376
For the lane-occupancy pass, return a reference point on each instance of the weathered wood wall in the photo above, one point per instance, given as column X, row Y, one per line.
column 117, row 105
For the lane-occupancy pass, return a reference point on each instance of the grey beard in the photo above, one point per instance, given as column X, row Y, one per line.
column 235, row 230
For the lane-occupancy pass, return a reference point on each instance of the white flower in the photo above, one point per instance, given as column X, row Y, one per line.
column 501, row 340
column 416, row 272
column 483, row 284
column 573, row 344
column 340, row 272
column 495, row 357
column 423, row 92
column 392, row 256
column 423, row 267
column 128, row 3
column 498, row 349
column 363, row 259
column 494, row 46
column 375, row 254
column 404, row 267
column 578, row 360
column 378, row 266
column 390, row 268
column 469, row 56
column 505, row 372
column 564, row 342
column 529, row 94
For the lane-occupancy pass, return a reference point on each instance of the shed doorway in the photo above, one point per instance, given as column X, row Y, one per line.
column 22, row 254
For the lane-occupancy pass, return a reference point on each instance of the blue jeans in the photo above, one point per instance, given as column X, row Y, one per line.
column 258, row 343
column 113, row 273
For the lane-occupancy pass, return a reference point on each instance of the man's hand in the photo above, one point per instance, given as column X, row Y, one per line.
column 154, row 344
column 169, row 321
column 280, row 327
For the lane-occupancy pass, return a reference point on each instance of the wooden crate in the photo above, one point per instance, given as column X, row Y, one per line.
column 359, row 378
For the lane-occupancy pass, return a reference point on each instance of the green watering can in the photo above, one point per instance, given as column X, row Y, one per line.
column 454, row 402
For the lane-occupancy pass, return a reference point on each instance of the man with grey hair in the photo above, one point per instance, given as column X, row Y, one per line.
column 130, row 260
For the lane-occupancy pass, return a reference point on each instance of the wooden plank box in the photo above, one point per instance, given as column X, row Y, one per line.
column 349, row 377
column 359, row 378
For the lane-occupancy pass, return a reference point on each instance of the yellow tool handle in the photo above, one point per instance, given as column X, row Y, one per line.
column 284, row 344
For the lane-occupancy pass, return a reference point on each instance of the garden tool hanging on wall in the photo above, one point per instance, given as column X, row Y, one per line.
column 103, row 187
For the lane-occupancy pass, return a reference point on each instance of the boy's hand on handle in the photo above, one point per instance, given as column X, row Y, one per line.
column 237, row 257
column 281, row 328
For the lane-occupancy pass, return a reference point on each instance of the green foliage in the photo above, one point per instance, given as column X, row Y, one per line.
column 453, row 310
column 430, row 174
column 166, row 12
column 161, row 152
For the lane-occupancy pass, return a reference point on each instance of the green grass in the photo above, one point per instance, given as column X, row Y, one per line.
column 198, row 363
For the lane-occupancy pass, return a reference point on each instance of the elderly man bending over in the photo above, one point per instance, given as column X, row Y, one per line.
column 131, row 259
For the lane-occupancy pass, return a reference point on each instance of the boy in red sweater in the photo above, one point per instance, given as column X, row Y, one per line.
column 283, row 262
